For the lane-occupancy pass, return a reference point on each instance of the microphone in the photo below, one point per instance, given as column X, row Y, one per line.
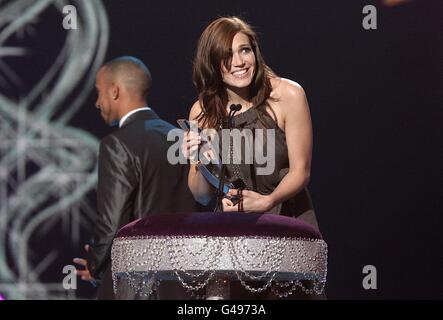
column 227, row 121
column 235, row 107
column 233, row 110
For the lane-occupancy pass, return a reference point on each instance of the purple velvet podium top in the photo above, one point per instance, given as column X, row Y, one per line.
column 201, row 245
column 219, row 225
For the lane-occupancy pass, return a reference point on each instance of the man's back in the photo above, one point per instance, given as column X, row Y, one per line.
column 158, row 186
column 135, row 179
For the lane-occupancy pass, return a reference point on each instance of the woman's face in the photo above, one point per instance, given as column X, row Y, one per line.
column 242, row 65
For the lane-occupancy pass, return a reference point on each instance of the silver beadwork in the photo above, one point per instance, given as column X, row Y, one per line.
column 282, row 263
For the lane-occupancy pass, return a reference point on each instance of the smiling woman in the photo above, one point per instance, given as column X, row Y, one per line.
column 239, row 75
column 230, row 70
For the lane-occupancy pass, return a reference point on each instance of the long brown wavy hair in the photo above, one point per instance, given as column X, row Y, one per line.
column 213, row 49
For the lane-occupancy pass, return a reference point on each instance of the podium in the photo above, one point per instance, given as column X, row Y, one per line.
column 206, row 250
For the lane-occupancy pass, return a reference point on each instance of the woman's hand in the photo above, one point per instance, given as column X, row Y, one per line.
column 252, row 202
column 194, row 147
column 190, row 144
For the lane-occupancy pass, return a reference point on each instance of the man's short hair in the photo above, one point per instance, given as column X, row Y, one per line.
column 131, row 72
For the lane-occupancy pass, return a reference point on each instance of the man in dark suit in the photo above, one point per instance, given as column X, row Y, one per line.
column 135, row 178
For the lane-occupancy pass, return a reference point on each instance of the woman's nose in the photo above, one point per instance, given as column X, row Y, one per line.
column 237, row 60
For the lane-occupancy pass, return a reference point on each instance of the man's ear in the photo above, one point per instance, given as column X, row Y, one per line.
column 115, row 91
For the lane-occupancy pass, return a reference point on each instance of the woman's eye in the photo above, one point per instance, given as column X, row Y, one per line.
column 246, row 50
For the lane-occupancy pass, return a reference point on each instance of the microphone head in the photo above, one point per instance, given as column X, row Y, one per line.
column 235, row 107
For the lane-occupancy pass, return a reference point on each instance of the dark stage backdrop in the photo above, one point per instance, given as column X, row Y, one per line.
column 376, row 103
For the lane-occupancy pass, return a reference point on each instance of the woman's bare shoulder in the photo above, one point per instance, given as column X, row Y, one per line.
column 196, row 109
column 283, row 88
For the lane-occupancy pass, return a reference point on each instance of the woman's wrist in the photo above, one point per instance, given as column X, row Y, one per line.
column 270, row 202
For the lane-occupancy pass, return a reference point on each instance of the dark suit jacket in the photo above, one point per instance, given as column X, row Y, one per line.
column 135, row 179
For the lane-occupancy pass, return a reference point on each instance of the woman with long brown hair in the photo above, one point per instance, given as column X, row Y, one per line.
column 229, row 69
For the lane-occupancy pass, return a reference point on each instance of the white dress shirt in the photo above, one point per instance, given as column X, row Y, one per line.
column 126, row 116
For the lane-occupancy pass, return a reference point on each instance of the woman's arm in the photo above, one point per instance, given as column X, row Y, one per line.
column 200, row 188
column 298, row 130
column 294, row 111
